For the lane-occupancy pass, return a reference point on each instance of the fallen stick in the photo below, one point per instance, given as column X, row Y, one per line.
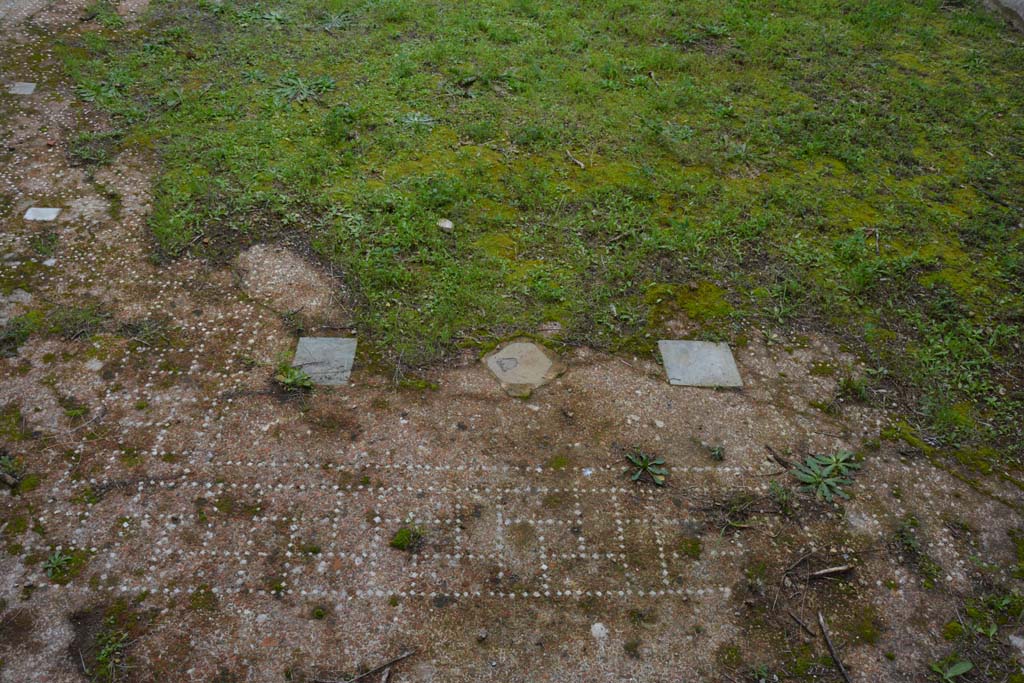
column 798, row 562
column 385, row 665
column 778, row 459
column 99, row 416
column 831, row 648
column 802, row 625
column 842, row 569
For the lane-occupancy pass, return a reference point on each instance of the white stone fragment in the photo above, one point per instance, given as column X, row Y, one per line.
column 37, row 213
column 21, row 88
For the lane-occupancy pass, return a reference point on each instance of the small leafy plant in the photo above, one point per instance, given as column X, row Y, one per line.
column 841, row 462
column 647, row 464
column 292, row 88
column 418, row 120
column 825, row 475
column 949, row 674
column 275, row 18
column 292, row 378
column 338, row 22
column 56, row 564
column 715, row 452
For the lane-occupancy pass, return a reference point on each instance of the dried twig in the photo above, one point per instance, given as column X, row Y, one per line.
column 800, row 622
column 796, row 564
column 385, row 666
column 575, row 160
column 831, row 648
column 85, row 669
column 842, row 569
column 99, row 416
column 778, row 459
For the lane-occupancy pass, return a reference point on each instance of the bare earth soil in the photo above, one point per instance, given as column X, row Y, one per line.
column 235, row 533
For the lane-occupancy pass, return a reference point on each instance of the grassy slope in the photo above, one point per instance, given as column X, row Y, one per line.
column 855, row 166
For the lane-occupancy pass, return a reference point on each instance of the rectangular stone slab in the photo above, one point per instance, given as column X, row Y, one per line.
column 699, row 364
column 22, row 88
column 37, row 213
column 327, row 360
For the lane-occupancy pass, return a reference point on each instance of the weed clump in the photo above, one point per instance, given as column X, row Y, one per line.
column 16, row 332
column 14, row 475
column 909, row 544
column 291, row 378
column 339, row 127
column 74, row 322
column 407, row 539
column 148, row 332
column 94, row 149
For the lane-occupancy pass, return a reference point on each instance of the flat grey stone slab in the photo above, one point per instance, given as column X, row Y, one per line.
column 22, row 88
column 699, row 364
column 522, row 366
column 327, row 360
column 1012, row 9
column 37, row 213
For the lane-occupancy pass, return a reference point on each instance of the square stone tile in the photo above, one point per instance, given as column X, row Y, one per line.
column 327, row 360
column 37, row 213
column 22, row 88
column 699, row 364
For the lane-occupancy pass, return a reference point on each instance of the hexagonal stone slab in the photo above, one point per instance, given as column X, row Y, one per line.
column 37, row 213
column 327, row 360
column 699, row 364
column 22, row 88
column 522, row 366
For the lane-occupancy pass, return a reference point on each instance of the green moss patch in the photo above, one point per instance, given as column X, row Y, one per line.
column 691, row 547
column 203, row 599
column 702, row 302
column 12, row 424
